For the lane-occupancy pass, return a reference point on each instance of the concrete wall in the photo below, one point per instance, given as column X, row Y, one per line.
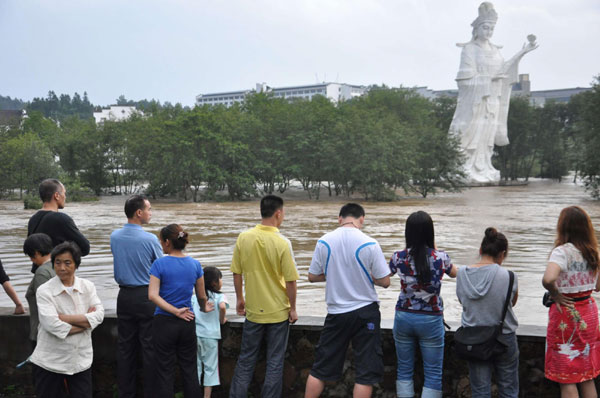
column 14, row 348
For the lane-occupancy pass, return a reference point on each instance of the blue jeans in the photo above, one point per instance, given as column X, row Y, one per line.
column 276, row 337
column 506, row 367
column 427, row 332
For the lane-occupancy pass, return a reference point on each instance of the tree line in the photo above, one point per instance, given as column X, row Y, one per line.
column 372, row 145
column 388, row 140
column 11, row 104
column 553, row 140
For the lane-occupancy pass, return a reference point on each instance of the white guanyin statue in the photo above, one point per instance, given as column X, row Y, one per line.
column 484, row 84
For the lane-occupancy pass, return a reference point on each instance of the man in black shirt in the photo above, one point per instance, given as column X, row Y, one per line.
column 58, row 226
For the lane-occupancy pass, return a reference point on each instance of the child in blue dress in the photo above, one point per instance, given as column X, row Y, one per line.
column 208, row 329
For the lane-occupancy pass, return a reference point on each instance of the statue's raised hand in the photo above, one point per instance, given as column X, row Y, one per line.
column 530, row 45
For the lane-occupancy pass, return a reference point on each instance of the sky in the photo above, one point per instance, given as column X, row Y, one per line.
column 174, row 50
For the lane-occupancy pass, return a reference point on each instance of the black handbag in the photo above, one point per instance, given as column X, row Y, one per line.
column 480, row 343
column 547, row 300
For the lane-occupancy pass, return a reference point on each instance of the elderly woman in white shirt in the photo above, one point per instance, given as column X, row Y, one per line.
column 69, row 309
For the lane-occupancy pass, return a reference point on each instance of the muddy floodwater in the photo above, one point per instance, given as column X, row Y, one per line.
column 526, row 214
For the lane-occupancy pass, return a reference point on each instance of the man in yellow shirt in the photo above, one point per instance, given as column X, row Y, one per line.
column 263, row 259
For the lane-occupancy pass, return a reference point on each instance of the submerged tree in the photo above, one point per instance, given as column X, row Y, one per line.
column 590, row 128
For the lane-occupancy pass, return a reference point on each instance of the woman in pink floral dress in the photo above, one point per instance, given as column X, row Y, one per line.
column 573, row 337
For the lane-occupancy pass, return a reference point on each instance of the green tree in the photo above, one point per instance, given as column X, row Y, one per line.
column 25, row 161
column 589, row 126
column 575, row 132
column 443, row 109
column 267, row 128
column 517, row 159
column 7, row 103
column 61, row 107
column 310, row 125
column 552, row 140
column 437, row 162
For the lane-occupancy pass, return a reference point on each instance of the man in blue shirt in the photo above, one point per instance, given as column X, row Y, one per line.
column 134, row 250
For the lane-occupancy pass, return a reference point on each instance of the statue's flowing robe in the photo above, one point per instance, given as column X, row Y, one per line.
column 482, row 106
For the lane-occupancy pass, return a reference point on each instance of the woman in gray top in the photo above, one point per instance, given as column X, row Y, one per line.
column 37, row 247
column 481, row 289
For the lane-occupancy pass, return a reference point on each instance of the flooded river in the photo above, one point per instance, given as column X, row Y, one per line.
column 526, row 214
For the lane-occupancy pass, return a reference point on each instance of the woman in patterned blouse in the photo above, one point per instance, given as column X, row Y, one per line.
column 419, row 310
column 572, row 338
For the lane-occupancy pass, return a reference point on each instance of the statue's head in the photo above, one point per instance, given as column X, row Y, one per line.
column 483, row 25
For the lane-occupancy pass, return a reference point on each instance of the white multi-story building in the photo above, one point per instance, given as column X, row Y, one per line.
column 334, row 91
column 114, row 113
column 521, row 88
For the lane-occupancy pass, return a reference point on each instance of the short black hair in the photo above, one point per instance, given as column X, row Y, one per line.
column 70, row 247
column 269, row 205
column 133, row 204
column 352, row 209
column 48, row 188
column 39, row 242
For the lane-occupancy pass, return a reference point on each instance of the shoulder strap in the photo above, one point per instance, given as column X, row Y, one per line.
column 511, row 279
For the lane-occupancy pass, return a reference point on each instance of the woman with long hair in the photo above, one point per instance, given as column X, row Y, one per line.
column 173, row 279
column 482, row 288
column 419, row 310
column 572, row 337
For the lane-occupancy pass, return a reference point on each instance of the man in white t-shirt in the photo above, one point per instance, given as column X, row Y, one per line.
column 351, row 263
